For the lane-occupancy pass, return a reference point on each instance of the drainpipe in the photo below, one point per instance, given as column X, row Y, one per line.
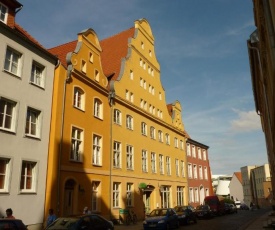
column 67, row 80
column 111, row 98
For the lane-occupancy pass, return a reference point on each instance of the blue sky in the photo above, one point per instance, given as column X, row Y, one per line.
column 201, row 48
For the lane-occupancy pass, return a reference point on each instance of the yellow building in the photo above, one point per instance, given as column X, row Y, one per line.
column 115, row 143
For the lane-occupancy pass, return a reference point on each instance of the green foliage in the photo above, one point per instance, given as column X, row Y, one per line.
column 228, row 200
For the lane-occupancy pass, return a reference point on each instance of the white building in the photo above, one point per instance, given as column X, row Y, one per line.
column 236, row 187
column 221, row 184
column 26, row 77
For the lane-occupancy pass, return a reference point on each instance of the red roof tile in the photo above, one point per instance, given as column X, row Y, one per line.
column 239, row 176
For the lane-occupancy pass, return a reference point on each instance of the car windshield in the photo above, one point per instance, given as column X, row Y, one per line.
column 63, row 223
column 158, row 212
column 180, row 208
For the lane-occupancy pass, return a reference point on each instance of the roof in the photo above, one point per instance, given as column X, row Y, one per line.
column 239, row 176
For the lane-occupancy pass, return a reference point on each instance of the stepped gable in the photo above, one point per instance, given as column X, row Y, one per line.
column 61, row 51
column 115, row 48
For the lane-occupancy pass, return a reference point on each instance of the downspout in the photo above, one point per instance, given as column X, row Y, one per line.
column 111, row 98
column 67, row 80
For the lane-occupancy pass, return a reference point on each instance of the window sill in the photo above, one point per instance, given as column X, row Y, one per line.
column 7, row 131
column 32, row 137
column 38, row 86
column 12, row 74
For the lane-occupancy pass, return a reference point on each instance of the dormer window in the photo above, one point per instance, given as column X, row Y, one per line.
column 3, row 13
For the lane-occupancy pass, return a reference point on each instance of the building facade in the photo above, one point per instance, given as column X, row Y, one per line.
column 236, row 187
column 27, row 74
column 262, row 66
column 115, row 144
column 247, row 184
column 199, row 172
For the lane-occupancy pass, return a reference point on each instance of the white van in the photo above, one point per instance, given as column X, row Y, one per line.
column 238, row 204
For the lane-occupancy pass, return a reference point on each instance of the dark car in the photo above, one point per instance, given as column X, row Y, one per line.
column 161, row 219
column 227, row 208
column 203, row 211
column 12, row 224
column 233, row 208
column 87, row 222
column 185, row 214
column 244, row 207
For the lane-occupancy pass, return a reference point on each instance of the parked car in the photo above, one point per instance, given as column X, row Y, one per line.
column 86, row 222
column 244, row 207
column 12, row 224
column 204, row 211
column 185, row 214
column 161, row 219
column 233, row 208
column 227, row 208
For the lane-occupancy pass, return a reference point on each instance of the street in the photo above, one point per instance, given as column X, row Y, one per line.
column 238, row 221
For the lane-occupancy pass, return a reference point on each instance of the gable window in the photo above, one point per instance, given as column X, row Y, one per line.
column 97, row 75
column 28, row 176
column 116, row 154
column 130, row 157
column 37, row 74
column 116, row 186
column 78, row 98
column 3, row 13
column 83, row 66
column 129, row 195
column 152, row 132
column 76, row 144
column 32, row 123
column 131, row 74
column 95, row 196
column 13, row 61
column 117, row 116
column 97, row 146
column 143, row 129
column 129, row 122
column 144, row 161
column 7, row 114
column 98, row 108
column 91, row 57
column 153, row 162
column 4, row 174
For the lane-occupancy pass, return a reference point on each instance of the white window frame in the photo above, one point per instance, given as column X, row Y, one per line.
column 177, row 167
column 97, row 150
column 181, row 144
column 204, row 154
column 77, row 138
column 79, row 98
column 200, row 172
column 205, row 173
column 130, row 157
column 95, row 196
column 117, row 117
column 3, row 13
column 160, row 134
column 168, row 166
column 144, row 161
column 193, row 150
column 117, row 154
column 191, row 195
column 153, row 162
column 199, row 152
column 195, row 171
column 161, row 164
column 190, row 171
column 98, row 107
column 8, row 112
column 176, row 142
column 188, row 149
column 182, row 168
column 5, row 174
column 129, row 122
column 13, row 61
column 144, row 128
column 152, row 132
column 167, row 139
column 38, row 74
column 116, row 194
column 28, row 173
column 33, row 123
column 129, row 195
column 180, row 195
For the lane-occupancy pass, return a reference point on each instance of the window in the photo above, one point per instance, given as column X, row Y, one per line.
column 76, row 144
column 97, row 75
column 176, row 142
column 141, row 82
column 13, row 61
column 200, row 172
column 196, row 195
column 190, row 174
column 129, row 195
column 95, row 196
column 188, row 150
column 91, row 57
column 28, row 176
column 143, row 128
column 142, row 45
column 180, row 196
column 98, row 108
column 191, row 195
column 83, row 66
column 131, row 75
column 161, row 164
column 4, row 174
column 150, row 53
column 130, row 157
column 182, row 168
column 168, row 165
column 165, row 197
column 129, row 122
column 127, row 94
column 144, row 161
column 205, row 173
column 97, row 146
column 117, row 116
column 204, row 154
column 32, row 123
column 131, row 97
column 3, row 13
column 199, row 153
column 117, row 153
column 7, row 114
column 177, row 167
column 78, row 98
column 152, row 132
column 195, row 171
column 37, row 74
column 116, row 195
column 160, row 96
column 181, row 144
column 167, row 139
column 194, row 151
column 153, row 162
column 160, row 136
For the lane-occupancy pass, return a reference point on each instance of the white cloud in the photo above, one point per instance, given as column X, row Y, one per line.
column 246, row 122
